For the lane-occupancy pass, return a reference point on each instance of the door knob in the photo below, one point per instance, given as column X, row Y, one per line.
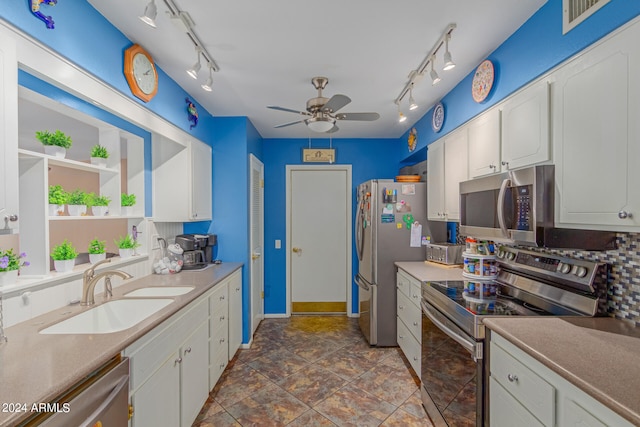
column 297, row 250
column 255, row 256
column 624, row 215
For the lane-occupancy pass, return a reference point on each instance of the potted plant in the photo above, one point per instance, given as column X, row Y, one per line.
column 97, row 250
column 99, row 156
column 64, row 256
column 77, row 203
column 126, row 246
column 55, row 143
column 10, row 264
column 127, row 201
column 99, row 204
column 57, row 199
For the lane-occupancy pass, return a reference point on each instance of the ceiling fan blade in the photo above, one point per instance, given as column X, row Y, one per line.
column 335, row 128
column 365, row 117
column 335, row 103
column 289, row 124
column 289, row 110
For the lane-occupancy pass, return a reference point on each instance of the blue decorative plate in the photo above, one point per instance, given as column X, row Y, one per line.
column 438, row 117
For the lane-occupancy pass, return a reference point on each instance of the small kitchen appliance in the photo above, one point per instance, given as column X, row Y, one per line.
column 198, row 250
column 444, row 253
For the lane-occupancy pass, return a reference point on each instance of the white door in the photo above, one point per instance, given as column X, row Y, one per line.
column 256, row 220
column 456, row 170
column 319, row 238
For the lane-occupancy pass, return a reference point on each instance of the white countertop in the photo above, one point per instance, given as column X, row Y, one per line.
column 426, row 271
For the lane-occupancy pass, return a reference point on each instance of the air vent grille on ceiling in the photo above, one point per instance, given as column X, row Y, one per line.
column 576, row 11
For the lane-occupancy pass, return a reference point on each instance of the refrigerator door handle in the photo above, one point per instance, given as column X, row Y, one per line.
column 360, row 229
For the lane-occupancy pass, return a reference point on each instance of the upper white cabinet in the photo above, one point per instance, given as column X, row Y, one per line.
column 447, row 166
column 484, row 144
column 525, row 127
column 8, row 135
column 596, row 132
column 181, row 180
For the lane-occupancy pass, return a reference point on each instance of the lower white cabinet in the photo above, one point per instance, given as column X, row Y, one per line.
column 409, row 318
column 194, row 386
column 522, row 391
column 218, row 332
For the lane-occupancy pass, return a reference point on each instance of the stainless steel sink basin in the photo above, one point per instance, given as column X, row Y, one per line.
column 112, row 316
column 160, row 291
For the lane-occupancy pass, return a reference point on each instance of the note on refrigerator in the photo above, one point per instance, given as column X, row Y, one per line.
column 416, row 235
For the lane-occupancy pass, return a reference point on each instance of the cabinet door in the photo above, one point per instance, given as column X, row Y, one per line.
column 456, row 168
column 157, row 401
column 596, row 103
column 201, row 181
column 194, row 383
column 235, row 314
column 435, row 181
column 525, row 128
column 484, row 144
column 505, row 410
column 8, row 130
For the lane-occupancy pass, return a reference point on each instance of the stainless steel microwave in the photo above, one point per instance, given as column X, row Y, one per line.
column 517, row 207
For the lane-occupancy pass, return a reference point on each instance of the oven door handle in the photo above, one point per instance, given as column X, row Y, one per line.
column 501, row 194
column 470, row 346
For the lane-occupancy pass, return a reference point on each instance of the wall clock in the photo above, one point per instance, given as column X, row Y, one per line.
column 482, row 81
column 437, row 119
column 140, row 72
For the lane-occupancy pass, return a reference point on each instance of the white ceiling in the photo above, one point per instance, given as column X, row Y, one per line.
column 268, row 51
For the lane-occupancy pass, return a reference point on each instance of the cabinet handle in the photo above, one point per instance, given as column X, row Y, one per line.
column 512, row 378
column 415, row 358
column 415, row 296
column 222, row 366
column 415, row 323
column 221, row 317
column 221, row 340
column 12, row 218
column 492, row 166
column 401, row 337
column 237, row 289
column 222, row 298
column 187, row 350
column 401, row 307
column 505, row 164
column 178, row 360
column 624, row 215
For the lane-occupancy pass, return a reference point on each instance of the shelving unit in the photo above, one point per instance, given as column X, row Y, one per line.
column 479, row 267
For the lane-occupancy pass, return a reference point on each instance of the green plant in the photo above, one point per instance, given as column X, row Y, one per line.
column 99, row 151
column 10, row 261
column 96, row 200
column 97, row 247
column 126, row 242
column 127, row 199
column 64, row 251
column 57, row 138
column 57, row 196
column 77, row 197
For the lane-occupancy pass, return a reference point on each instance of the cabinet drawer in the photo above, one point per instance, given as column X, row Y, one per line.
column 409, row 346
column 505, row 411
column 411, row 315
column 403, row 284
column 218, row 300
column 217, row 365
column 527, row 387
column 416, row 294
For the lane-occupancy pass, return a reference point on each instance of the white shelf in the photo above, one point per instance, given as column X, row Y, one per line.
column 67, row 163
column 477, row 256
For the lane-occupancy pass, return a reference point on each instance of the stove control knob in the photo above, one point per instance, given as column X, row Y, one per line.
column 501, row 253
column 511, row 256
column 580, row 271
column 564, row 268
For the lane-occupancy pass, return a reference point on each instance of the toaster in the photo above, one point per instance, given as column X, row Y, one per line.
column 444, row 253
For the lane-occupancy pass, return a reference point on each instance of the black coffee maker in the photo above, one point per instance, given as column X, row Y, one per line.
column 198, row 249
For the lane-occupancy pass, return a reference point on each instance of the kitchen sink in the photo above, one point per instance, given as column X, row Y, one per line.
column 112, row 316
column 160, row 291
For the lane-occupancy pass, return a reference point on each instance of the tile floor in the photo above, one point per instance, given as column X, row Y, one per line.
column 314, row 371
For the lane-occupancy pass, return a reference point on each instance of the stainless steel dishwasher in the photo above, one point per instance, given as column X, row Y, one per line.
column 101, row 400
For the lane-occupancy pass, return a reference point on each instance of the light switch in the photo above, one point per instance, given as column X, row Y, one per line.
column 278, row 243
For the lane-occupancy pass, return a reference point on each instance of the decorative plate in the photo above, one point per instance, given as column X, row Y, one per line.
column 413, row 139
column 438, row 117
column 482, row 81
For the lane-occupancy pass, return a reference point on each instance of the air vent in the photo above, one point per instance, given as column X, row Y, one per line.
column 576, row 11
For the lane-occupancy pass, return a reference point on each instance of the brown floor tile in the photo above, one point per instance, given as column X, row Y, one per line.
column 312, row 384
column 413, row 405
column 402, row 418
column 352, row 406
column 271, row 406
column 278, row 364
column 311, row 418
column 239, row 384
column 391, row 384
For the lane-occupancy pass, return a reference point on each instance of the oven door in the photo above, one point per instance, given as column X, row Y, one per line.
column 452, row 372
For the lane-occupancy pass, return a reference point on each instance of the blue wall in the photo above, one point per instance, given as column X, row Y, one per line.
column 536, row 47
column 370, row 158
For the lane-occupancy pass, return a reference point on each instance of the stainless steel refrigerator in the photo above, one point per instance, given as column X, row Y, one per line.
column 385, row 214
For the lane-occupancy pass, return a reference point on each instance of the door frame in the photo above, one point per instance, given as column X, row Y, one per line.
column 349, row 282
column 254, row 161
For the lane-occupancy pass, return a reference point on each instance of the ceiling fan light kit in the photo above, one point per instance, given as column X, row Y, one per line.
column 416, row 75
column 322, row 113
column 182, row 21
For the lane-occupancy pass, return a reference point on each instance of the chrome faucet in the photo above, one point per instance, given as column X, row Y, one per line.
column 90, row 280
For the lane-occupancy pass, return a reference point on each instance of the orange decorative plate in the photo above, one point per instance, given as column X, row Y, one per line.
column 408, row 178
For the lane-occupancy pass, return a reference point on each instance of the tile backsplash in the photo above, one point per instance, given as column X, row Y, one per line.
column 623, row 296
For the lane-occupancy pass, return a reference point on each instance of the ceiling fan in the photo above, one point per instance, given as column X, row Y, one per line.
column 321, row 114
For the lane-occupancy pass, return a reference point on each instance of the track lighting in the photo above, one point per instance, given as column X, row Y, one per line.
column 412, row 102
column 401, row 117
column 435, row 78
column 208, row 86
column 150, row 13
column 193, row 71
column 448, row 62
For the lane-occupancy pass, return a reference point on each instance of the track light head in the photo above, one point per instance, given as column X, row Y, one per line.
column 412, row 102
column 193, row 71
column 448, row 62
column 150, row 13
column 435, row 78
column 208, row 86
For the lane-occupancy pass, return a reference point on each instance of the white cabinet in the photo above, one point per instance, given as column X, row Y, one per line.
column 484, row 144
column 596, row 132
column 447, row 166
column 8, row 133
column 525, row 127
column 235, row 313
column 181, row 180
column 218, row 332
column 194, row 384
column 409, row 318
column 523, row 391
